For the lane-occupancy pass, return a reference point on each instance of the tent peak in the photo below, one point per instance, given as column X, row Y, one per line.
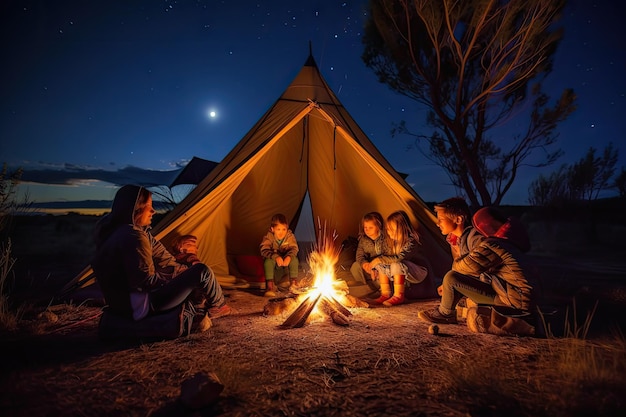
column 310, row 61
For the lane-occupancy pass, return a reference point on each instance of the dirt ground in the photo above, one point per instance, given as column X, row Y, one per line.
column 384, row 362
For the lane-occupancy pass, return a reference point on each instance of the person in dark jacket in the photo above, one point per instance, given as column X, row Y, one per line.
column 371, row 245
column 500, row 258
column 139, row 277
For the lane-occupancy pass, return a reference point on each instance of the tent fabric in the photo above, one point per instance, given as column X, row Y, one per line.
column 305, row 143
column 194, row 172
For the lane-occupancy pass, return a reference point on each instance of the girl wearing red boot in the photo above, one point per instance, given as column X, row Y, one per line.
column 402, row 264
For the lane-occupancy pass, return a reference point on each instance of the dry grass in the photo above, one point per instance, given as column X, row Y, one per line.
column 9, row 316
column 383, row 363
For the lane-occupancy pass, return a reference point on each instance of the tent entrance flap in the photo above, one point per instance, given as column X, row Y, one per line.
column 305, row 230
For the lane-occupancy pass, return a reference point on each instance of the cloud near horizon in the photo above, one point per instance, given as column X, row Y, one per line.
column 72, row 174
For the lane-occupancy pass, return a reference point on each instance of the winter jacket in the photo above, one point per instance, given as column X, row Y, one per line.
column 368, row 249
column 462, row 245
column 500, row 256
column 128, row 259
column 271, row 249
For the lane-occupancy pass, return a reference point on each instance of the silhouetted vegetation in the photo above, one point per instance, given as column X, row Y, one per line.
column 584, row 180
column 473, row 65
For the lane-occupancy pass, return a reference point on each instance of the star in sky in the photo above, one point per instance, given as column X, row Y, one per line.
column 117, row 84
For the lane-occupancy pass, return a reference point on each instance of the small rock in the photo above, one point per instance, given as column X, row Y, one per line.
column 200, row 390
column 433, row 329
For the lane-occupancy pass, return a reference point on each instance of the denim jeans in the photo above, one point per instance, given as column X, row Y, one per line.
column 197, row 284
column 456, row 286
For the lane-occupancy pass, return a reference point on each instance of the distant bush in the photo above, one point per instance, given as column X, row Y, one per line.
column 8, row 318
column 584, row 180
column 8, row 182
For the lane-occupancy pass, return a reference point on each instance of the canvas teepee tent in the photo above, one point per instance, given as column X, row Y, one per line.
column 305, row 143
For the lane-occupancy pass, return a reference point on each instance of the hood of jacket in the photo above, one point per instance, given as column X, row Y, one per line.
column 122, row 212
column 491, row 223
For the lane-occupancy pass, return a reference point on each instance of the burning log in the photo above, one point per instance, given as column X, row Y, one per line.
column 352, row 301
column 322, row 262
column 339, row 318
column 328, row 305
column 301, row 314
column 331, row 304
column 332, row 308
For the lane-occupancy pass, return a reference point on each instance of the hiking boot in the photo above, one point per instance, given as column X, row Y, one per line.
column 478, row 319
column 222, row 311
column 204, row 325
column 435, row 316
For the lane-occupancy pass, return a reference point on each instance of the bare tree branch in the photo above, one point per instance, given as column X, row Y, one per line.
column 471, row 63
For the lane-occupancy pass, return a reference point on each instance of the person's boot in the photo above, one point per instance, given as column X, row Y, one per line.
column 385, row 290
column 271, row 289
column 398, row 292
column 205, row 324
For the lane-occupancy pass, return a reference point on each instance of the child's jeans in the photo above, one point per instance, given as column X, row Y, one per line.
column 456, row 286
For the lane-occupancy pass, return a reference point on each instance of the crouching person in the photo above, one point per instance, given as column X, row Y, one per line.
column 506, row 283
column 139, row 277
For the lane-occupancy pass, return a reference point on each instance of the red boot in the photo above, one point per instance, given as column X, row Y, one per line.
column 398, row 292
column 382, row 299
column 385, row 290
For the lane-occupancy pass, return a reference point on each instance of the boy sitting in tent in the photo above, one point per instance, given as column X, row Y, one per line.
column 279, row 249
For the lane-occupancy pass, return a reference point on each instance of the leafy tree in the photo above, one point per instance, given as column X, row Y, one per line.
column 471, row 63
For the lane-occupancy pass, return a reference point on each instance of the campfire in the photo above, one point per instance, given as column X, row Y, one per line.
column 326, row 296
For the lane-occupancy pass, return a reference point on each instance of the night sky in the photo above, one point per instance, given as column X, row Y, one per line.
column 93, row 87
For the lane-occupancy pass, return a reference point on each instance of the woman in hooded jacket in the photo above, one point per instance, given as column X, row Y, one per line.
column 139, row 277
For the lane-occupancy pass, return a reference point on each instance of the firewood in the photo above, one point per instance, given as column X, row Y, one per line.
column 338, row 306
column 352, row 301
column 334, row 310
column 301, row 314
column 339, row 318
column 326, row 306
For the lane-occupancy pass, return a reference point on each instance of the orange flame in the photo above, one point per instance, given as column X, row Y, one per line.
column 322, row 261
